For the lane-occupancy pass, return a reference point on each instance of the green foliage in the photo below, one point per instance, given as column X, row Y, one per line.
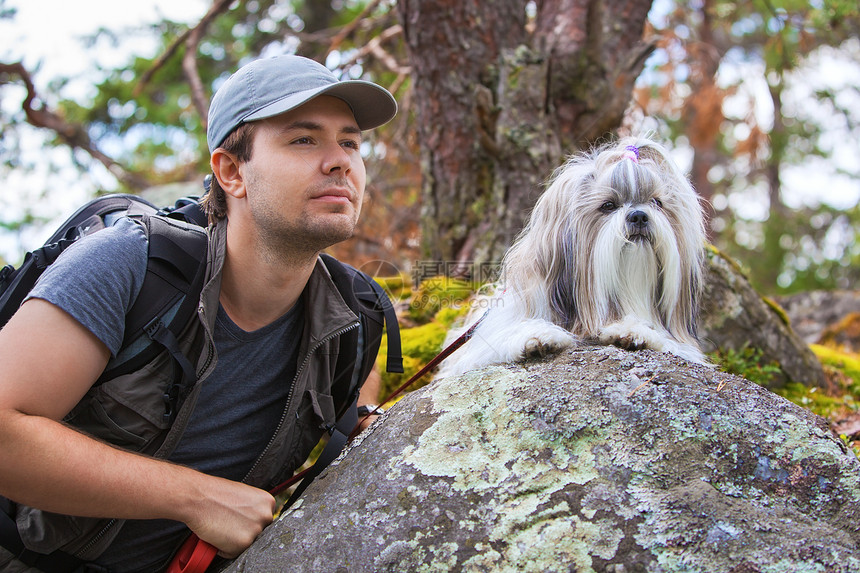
column 744, row 159
column 5, row 11
column 27, row 219
column 846, row 364
column 436, row 294
column 397, row 287
column 746, row 362
column 818, row 401
column 810, row 249
column 420, row 345
column 448, row 316
column 434, row 307
column 852, row 445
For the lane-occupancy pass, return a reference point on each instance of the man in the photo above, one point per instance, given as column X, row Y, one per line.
column 284, row 137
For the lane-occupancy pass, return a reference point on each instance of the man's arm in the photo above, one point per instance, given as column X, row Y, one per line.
column 49, row 362
column 369, row 394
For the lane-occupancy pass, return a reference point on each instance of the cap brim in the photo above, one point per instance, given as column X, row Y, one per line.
column 371, row 104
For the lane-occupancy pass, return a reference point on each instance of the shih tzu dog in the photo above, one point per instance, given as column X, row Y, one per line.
column 613, row 254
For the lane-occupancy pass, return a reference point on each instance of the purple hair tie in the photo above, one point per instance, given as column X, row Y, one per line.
column 631, row 152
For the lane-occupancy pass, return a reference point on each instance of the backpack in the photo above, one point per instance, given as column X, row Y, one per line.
column 169, row 296
column 167, row 302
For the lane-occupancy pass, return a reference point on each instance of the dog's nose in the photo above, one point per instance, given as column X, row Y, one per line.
column 637, row 218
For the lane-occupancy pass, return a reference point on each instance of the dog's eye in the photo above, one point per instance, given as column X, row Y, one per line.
column 658, row 202
column 608, row 207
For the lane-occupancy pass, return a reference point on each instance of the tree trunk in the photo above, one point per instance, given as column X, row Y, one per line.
column 703, row 112
column 773, row 250
column 499, row 96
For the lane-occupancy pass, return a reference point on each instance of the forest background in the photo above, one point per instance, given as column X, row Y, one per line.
column 758, row 100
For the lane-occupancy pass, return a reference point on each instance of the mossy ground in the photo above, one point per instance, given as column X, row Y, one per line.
column 429, row 311
column 838, row 400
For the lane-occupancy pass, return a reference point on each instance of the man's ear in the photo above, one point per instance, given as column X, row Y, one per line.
column 225, row 167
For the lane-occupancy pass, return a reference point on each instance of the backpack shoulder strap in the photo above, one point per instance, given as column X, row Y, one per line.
column 176, row 263
column 375, row 311
column 338, row 437
column 168, row 299
column 371, row 295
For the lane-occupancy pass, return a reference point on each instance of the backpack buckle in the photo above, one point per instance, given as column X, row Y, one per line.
column 5, row 272
column 170, row 397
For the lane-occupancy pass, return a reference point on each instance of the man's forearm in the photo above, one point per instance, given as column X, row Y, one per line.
column 369, row 393
column 53, row 467
column 50, row 466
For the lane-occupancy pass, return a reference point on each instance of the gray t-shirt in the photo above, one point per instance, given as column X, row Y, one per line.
column 96, row 281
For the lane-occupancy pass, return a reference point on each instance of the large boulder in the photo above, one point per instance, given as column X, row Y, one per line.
column 596, row 460
column 734, row 316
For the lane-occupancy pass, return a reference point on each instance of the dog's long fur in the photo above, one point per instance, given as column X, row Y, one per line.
column 613, row 253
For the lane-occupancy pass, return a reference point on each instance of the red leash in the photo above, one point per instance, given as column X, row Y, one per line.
column 195, row 555
column 448, row 351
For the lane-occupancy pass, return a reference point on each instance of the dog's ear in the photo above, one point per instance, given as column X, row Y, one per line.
column 691, row 292
column 541, row 263
column 562, row 299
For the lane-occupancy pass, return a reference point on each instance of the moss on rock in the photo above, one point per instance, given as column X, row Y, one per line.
column 599, row 460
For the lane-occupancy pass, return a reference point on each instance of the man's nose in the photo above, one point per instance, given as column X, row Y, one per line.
column 336, row 158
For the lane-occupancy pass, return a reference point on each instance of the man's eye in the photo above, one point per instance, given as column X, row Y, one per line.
column 351, row 144
column 302, row 140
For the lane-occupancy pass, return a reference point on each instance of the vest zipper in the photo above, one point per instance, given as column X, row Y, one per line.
column 94, row 539
column 299, row 370
column 210, row 353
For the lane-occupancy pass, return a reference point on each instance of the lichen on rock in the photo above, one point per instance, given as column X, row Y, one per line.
column 596, row 460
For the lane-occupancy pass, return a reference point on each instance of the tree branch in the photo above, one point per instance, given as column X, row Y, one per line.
column 344, row 32
column 189, row 66
column 374, row 47
column 73, row 135
column 190, row 38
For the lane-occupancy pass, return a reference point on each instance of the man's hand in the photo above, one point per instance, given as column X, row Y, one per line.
column 230, row 515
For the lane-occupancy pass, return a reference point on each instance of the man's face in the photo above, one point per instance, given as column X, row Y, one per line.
column 305, row 179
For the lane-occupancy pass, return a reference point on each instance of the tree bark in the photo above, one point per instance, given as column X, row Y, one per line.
column 499, row 96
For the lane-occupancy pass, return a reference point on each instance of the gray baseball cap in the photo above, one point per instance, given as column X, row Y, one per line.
column 272, row 86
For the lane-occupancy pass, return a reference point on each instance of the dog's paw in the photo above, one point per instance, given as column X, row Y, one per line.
column 549, row 339
column 631, row 335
